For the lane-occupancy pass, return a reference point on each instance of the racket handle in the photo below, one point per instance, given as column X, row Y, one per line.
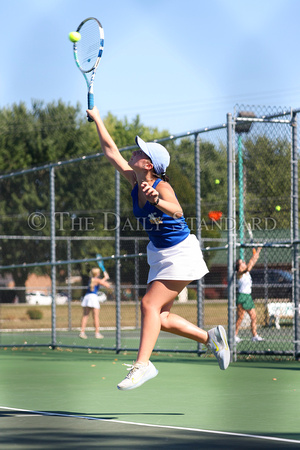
column 90, row 104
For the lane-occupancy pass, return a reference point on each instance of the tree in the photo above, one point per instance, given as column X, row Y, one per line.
column 27, row 139
column 84, row 191
column 267, row 175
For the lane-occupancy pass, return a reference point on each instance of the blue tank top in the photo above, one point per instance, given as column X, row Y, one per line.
column 95, row 290
column 163, row 230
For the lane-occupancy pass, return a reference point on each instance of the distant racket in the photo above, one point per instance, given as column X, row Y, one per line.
column 250, row 236
column 100, row 263
column 88, row 52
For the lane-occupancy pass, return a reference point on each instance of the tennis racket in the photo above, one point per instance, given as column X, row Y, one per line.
column 251, row 236
column 100, row 263
column 88, row 52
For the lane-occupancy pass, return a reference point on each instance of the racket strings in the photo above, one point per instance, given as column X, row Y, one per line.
column 88, row 46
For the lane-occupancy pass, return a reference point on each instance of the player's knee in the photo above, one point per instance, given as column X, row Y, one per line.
column 146, row 305
column 241, row 314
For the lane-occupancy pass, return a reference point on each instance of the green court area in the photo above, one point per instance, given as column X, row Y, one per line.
column 191, row 401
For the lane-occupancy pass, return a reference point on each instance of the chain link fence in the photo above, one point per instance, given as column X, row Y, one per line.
column 240, row 176
column 266, row 204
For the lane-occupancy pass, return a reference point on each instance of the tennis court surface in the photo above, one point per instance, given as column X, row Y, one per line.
column 67, row 399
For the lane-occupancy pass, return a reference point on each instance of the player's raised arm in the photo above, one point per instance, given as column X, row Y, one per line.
column 254, row 259
column 110, row 149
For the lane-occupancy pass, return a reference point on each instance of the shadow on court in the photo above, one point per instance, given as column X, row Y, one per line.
column 23, row 430
column 110, row 416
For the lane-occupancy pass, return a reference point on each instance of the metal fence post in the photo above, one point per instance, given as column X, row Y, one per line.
column 198, row 231
column 136, row 282
column 241, row 195
column 118, row 262
column 69, row 274
column 295, row 231
column 230, row 234
column 53, row 256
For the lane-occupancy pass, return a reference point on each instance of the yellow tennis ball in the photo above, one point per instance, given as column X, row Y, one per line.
column 217, row 181
column 74, row 36
column 278, row 208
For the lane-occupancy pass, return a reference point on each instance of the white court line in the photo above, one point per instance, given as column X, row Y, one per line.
column 25, row 415
column 197, row 430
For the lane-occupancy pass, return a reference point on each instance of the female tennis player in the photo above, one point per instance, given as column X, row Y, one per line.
column 244, row 300
column 173, row 254
column 91, row 301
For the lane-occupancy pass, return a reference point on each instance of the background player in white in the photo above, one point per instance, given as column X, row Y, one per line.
column 245, row 302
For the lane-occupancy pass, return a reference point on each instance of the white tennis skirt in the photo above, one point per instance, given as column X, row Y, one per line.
column 91, row 300
column 183, row 261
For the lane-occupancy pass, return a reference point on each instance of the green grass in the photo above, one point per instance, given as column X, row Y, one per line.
column 16, row 316
column 18, row 328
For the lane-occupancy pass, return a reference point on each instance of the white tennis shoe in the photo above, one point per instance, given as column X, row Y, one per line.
column 83, row 335
column 257, row 338
column 138, row 375
column 99, row 336
column 218, row 344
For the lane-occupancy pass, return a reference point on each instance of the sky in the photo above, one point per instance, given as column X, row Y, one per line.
column 180, row 65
